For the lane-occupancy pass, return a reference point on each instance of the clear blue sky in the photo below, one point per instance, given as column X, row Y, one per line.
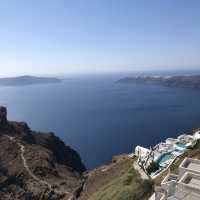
column 62, row 36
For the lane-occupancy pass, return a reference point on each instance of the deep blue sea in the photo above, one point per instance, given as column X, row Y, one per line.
column 100, row 118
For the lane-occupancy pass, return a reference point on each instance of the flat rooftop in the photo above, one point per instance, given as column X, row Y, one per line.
column 184, row 195
column 190, row 185
column 191, row 164
column 179, row 196
column 194, row 166
column 186, row 185
column 194, row 182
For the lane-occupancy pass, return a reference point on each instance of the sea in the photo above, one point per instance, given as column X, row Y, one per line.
column 100, row 118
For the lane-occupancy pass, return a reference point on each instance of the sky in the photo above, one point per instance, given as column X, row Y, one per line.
column 84, row 36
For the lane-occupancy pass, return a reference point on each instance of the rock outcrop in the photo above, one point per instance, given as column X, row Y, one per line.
column 36, row 165
column 3, row 116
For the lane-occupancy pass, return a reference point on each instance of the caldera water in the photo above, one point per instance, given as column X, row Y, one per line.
column 100, row 118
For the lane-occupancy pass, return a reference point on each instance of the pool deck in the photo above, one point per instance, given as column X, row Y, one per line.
column 154, row 176
column 193, row 166
column 165, row 153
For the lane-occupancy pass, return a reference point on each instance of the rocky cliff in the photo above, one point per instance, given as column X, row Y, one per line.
column 36, row 165
column 39, row 166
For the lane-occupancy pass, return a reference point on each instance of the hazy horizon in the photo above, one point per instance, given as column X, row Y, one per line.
column 176, row 71
column 92, row 36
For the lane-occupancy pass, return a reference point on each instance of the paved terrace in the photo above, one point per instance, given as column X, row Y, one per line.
column 190, row 182
column 185, row 186
column 189, row 165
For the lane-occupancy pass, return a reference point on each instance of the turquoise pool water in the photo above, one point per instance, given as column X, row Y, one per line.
column 164, row 158
column 182, row 145
column 167, row 156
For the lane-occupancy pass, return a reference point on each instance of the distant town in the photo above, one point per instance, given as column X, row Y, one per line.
column 183, row 81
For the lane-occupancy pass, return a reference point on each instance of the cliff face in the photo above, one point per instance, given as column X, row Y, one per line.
column 36, row 165
column 39, row 166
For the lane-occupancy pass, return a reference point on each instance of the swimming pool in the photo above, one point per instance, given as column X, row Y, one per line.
column 181, row 145
column 165, row 157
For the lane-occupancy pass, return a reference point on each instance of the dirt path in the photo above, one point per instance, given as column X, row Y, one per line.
column 22, row 149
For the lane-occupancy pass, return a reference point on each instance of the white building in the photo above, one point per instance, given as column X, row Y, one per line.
column 141, row 151
column 185, row 186
column 197, row 135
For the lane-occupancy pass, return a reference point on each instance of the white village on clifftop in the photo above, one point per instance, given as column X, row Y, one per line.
column 164, row 153
column 185, row 185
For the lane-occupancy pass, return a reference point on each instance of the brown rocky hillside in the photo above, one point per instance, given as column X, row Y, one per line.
column 36, row 165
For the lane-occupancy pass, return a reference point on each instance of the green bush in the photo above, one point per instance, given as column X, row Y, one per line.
column 152, row 167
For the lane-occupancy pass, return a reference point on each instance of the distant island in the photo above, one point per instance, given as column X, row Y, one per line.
column 186, row 81
column 27, row 80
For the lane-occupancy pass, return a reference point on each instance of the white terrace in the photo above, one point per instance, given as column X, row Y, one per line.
column 185, row 186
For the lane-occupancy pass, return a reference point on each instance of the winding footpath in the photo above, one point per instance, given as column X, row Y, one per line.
column 22, row 149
